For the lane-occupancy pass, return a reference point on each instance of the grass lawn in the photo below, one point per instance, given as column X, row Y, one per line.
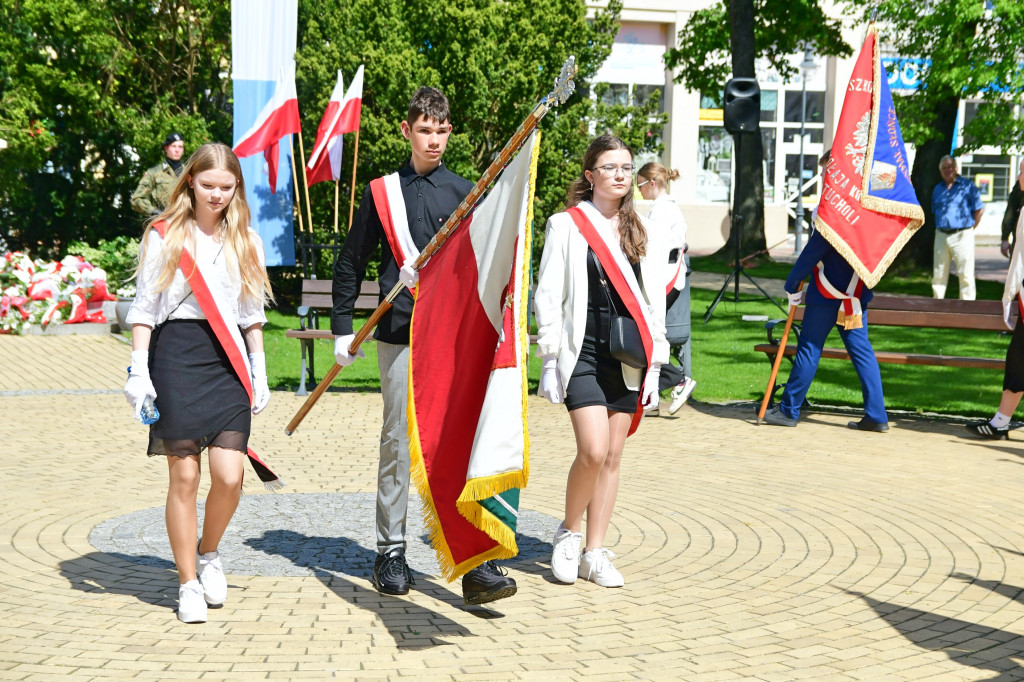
column 726, row 367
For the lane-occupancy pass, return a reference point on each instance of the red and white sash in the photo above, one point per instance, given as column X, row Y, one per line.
column 225, row 328
column 622, row 278
column 678, row 278
column 387, row 197
column 850, row 312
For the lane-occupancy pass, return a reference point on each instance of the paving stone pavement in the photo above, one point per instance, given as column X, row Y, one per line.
column 750, row 552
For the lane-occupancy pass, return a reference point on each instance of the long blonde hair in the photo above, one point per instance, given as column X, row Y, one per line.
column 632, row 235
column 180, row 213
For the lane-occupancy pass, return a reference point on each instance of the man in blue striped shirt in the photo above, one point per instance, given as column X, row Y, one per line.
column 956, row 204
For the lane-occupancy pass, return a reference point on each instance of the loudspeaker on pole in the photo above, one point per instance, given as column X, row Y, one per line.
column 742, row 112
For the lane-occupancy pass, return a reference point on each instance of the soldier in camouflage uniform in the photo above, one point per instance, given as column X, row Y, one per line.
column 151, row 196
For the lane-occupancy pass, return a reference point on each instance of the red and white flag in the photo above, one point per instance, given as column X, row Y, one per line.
column 467, row 381
column 278, row 118
column 341, row 116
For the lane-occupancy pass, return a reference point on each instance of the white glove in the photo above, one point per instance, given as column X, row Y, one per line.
column 408, row 274
column 1008, row 314
column 139, row 385
column 260, row 388
column 796, row 298
column 550, row 382
column 650, row 396
column 341, row 356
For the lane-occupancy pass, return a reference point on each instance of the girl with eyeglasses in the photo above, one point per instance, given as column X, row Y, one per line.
column 593, row 270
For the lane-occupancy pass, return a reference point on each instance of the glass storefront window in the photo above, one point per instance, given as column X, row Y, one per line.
column 814, row 135
column 615, row 94
column 768, row 162
column 769, row 105
column 815, row 107
column 714, row 164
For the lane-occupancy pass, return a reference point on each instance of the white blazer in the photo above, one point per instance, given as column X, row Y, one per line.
column 561, row 295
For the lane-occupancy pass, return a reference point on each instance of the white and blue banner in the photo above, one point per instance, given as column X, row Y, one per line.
column 263, row 35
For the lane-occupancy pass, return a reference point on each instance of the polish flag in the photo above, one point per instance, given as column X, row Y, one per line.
column 278, row 118
column 341, row 116
column 469, row 339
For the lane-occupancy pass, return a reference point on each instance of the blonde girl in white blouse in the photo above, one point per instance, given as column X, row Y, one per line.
column 178, row 360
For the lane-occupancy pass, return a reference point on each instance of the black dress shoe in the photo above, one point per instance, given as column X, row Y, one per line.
column 866, row 424
column 391, row 575
column 486, row 583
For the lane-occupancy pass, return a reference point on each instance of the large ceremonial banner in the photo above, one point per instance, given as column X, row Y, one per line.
column 467, row 376
column 868, row 208
column 263, row 35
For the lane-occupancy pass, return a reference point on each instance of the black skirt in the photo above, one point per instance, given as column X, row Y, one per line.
column 597, row 380
column 202, row 402
column 1013, row 375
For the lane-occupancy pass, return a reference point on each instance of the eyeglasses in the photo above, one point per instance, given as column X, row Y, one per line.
column 641, row 184
column 610, row 170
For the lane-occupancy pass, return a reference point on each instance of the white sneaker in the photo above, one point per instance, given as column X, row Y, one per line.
column 681, row 393
column 191, row 605
column 596, row 566
column 565, row 555
column 211, row 576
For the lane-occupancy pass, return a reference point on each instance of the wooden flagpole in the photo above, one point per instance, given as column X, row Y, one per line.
column 778, row 360
column 305, row 186
column 335, row 207
column 295, row 181
column 298, row 212
column 564, row 87
column 352, row 194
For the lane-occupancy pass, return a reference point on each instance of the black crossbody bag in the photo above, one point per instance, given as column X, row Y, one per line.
column 624, row 339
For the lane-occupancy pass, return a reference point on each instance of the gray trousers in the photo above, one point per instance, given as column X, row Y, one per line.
column 393, row 468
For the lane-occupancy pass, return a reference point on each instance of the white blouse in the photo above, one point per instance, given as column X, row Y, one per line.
column 177, row 302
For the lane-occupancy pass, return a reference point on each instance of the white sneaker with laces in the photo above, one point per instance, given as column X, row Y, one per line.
column 565, row 555
column 596, row 566
column 191, row 605
column 681, row 393
column 211, row 576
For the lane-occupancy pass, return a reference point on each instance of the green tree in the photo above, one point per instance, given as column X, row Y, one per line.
column 725, row 39
column 87, row 93
column 493, row 59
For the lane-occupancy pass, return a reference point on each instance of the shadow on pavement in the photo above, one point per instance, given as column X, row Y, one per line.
column 411, row 625
column 154, row 583
column 966, row 643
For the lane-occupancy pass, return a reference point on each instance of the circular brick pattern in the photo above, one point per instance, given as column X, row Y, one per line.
column 302, row 535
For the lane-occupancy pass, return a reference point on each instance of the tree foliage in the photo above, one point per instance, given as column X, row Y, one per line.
column 89, row 90
column 493, row 59
column 87, row 93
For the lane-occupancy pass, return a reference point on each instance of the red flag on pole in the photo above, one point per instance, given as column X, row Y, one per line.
column 467, row 381
column 278, row 118
column 868, row 208
column 341, row 116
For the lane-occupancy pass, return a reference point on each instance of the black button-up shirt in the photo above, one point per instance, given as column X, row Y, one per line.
column 429, row 200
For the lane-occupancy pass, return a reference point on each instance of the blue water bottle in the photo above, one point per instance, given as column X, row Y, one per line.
column 149, row 414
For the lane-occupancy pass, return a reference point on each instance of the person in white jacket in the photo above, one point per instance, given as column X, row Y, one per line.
column 664, row 214
column 998, row 428
column 593, row 270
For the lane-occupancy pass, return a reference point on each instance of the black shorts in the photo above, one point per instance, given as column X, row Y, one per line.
column 597, row 380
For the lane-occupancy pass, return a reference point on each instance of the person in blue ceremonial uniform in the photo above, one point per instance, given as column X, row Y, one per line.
column 835, row 297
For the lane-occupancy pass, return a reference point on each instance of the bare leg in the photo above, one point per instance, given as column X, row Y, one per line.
column 599, row 511
column 1009, row 402
column 591, row 427
column 226, row 469
column 180, row 513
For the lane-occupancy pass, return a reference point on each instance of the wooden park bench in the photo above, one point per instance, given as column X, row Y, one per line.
column 911, row 311
column 316, row 300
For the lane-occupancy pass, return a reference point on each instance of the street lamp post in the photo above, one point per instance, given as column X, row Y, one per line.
column 807, row 66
